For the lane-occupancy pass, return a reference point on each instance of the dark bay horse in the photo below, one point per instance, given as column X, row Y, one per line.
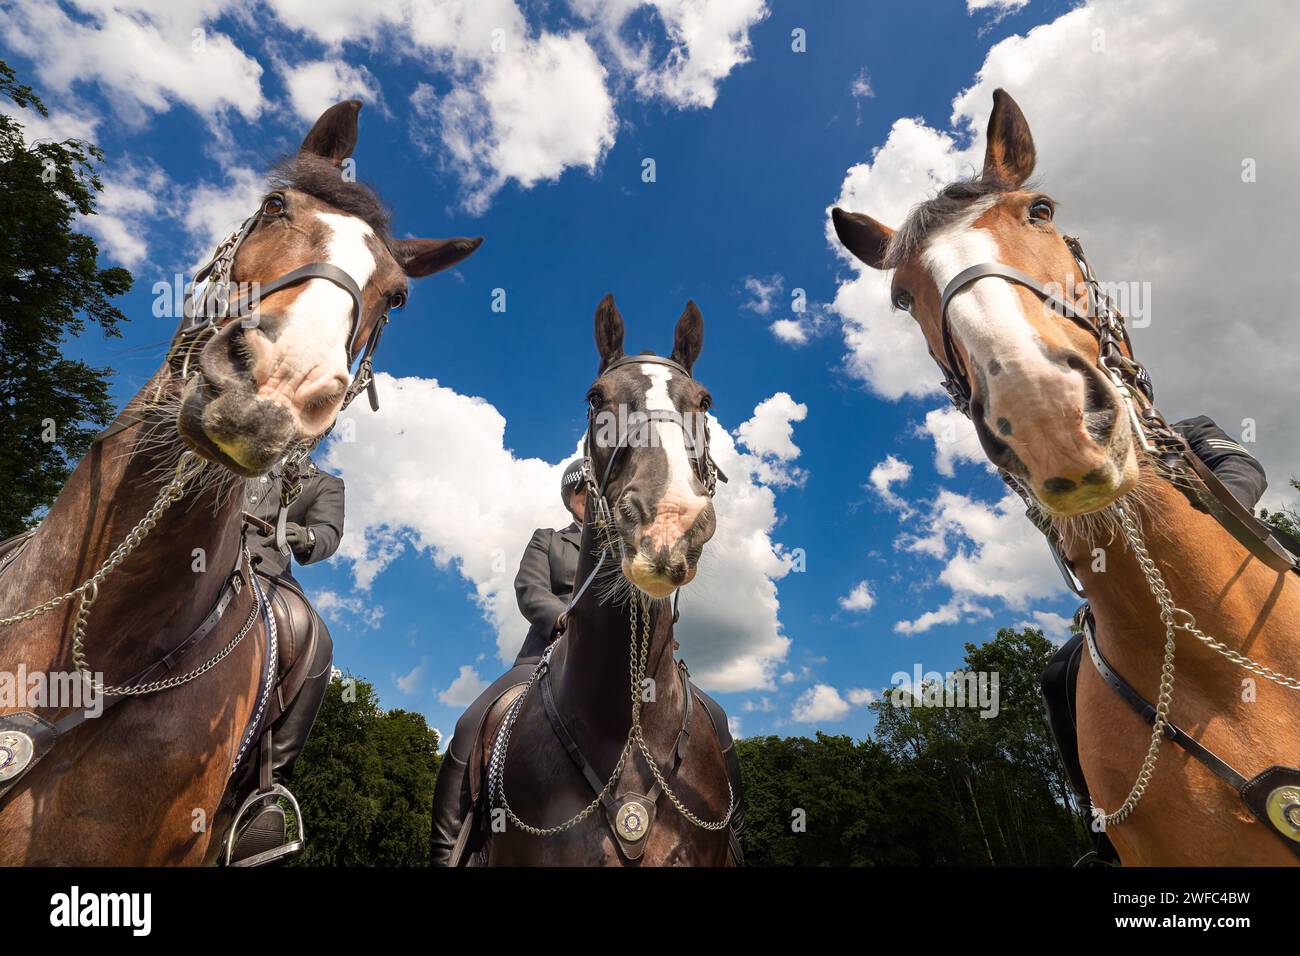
column 650, row 515
column 159, row 605
column 1035, row 353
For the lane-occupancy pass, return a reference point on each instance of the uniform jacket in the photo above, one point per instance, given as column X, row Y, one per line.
column 1231, row 463
column 544, row 583
column 318, row 507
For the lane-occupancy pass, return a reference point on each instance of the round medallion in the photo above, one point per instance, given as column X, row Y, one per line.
column 633, row 820
column 16, row 750
column 1284, row 811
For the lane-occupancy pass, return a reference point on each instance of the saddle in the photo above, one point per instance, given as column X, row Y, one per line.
column 297, row 633
column 472, row 836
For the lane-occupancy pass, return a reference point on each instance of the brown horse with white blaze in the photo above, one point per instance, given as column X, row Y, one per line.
column 610, row 756
column 159, row 607
column 1004, row 302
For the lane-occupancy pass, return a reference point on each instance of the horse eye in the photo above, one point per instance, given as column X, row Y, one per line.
column 594, row 399
column 273, row 206
column 1041, row 211
column 903, row 300
column 706, row 403
column 397, row 300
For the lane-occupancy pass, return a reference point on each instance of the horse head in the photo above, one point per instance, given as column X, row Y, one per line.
column 1026, row 373
column 647, row 445
column 325, row 272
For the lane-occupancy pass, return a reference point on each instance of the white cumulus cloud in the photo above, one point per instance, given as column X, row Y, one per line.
column 1191, row 102
column 433, row 475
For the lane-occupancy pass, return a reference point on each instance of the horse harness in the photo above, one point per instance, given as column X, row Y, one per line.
column 1273, row 795
column 25, row 737
column 211, row 305
column 631, row 815
column 706, row 469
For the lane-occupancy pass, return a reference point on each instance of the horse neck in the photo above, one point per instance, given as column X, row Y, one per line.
column 168, row 584
column 1234, row 597
column 591, row 667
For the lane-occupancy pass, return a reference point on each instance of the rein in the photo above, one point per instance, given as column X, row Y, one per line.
column 632, row 815
column 27, row 737
column 208, row 308
column 1274, row 795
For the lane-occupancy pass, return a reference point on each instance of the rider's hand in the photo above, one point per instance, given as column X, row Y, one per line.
column 296, row 537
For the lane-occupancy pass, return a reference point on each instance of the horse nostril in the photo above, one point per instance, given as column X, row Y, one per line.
column 635, row 509
column 1058, row 486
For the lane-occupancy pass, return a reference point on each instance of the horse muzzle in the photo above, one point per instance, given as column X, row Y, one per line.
column 221, row 417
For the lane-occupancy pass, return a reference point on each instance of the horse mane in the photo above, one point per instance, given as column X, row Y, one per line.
column 950, row 204
column 320, row 178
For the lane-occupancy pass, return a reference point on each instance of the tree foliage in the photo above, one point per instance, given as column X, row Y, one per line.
column 365, row 782
column 1288, row 519
column 932, row 786
column 50, row 286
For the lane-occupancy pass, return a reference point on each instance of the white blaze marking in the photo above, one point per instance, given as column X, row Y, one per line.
column 670, row 435
column 314, row 334
column 986, row 317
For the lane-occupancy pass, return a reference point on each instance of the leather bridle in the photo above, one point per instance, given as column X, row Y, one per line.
column 1102, row 320
column 207, row 309
column 1270, row 795
column 1129, row 376
column 602, row 515
column 706, row 469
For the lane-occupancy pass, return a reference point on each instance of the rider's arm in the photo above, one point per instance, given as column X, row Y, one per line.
column 323, row 517
column 1223, row 455
column 533, row 583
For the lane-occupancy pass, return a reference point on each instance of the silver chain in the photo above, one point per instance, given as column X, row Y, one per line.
column 638, row 655
column 1165, row 699
column 169, row 495
column 88, row 592
column 1174, row 619
column 139, row 690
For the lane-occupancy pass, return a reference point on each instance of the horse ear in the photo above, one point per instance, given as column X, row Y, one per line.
column 688, row 337
column 609, row 332
column 334, row 136
column 422, row 257
column 862, row 236
column 1010, row 151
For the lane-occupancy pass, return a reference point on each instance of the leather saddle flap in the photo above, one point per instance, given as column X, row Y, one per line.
column 296, row 633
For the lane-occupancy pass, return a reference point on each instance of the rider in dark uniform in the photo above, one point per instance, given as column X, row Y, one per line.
column 543, row 588
column 312, row 531
column 1242, row 475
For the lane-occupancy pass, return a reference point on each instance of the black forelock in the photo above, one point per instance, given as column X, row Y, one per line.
column 318, row 177
column 925, row 218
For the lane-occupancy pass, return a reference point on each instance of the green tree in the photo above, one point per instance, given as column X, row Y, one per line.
column 1288, row 519
column 365, row 782
column 50, row 286
column 932, row 785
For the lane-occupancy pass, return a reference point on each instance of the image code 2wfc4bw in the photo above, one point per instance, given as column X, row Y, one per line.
column 373, row 498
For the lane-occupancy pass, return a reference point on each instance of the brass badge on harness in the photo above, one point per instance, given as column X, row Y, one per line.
column 632, row 820
column 1283, row 807
column 16, row 750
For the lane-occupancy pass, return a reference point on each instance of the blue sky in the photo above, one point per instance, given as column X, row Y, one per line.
column 742, row 185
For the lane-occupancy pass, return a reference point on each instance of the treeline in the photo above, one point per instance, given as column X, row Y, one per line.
column 931, row 787
column 365, row 782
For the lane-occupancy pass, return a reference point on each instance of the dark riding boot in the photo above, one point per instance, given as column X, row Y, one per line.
column 1058, row 682
column 451, row 792
column 266, row 831
column 289, row 733
column 450, row 806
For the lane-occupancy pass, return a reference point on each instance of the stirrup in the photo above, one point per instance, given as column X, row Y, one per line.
column 287, row 849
